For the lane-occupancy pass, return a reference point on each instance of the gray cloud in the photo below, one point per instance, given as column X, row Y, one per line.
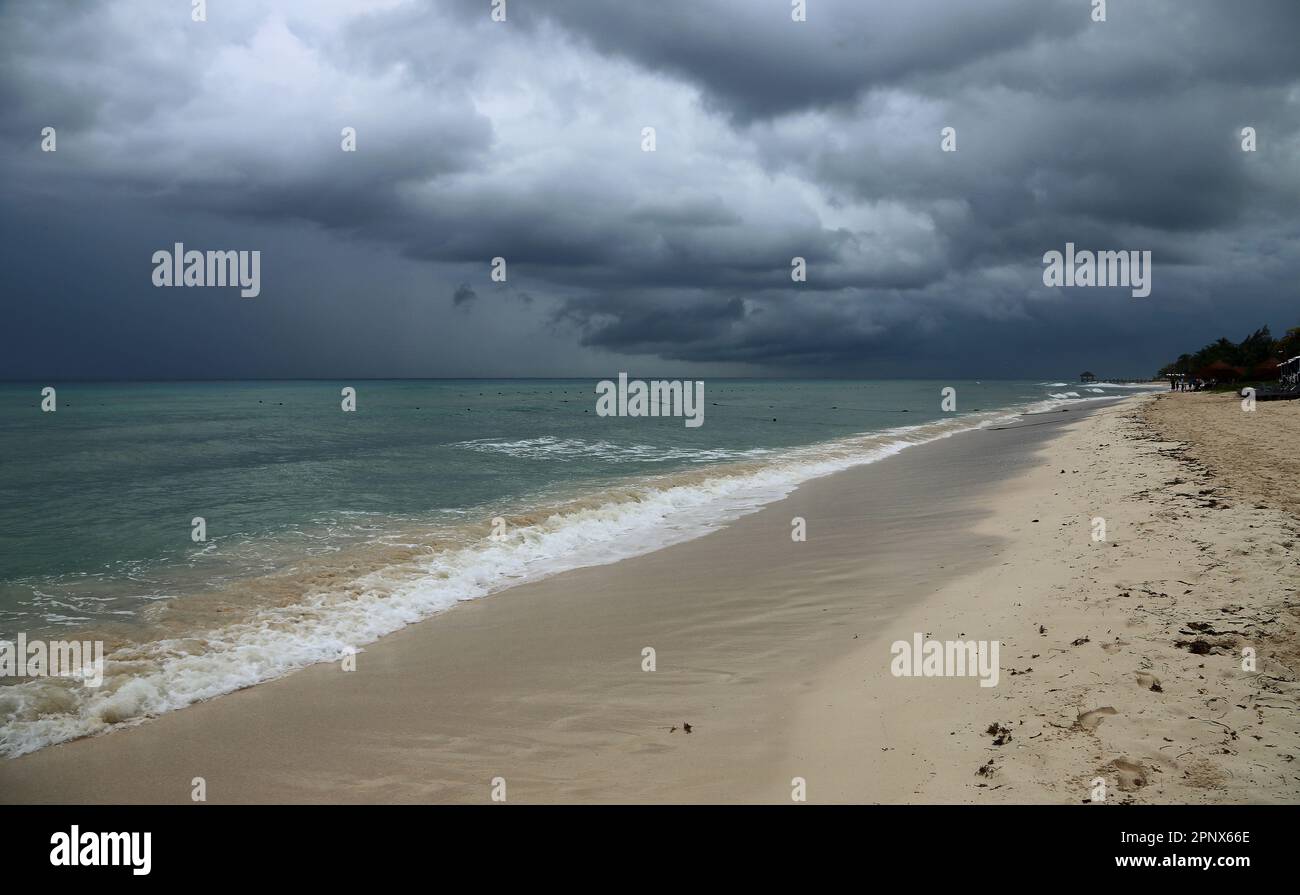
column 463, row 294
column 775, row 139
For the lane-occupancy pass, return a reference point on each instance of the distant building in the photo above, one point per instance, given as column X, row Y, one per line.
column 1087, row 377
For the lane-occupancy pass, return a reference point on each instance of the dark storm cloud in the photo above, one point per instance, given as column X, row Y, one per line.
column 754, row 62
column 463, row 295
column 775, row 139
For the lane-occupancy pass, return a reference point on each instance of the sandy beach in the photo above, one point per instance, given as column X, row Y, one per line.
column 1120, row 657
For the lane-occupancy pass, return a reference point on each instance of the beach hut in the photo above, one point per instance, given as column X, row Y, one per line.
column 1289, row 374
column 1087, row 377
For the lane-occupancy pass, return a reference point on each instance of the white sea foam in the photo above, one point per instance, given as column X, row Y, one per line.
column 569, row 449
column 1060, row 400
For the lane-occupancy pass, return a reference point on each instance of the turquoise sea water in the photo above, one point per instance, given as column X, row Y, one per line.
column 326, row 529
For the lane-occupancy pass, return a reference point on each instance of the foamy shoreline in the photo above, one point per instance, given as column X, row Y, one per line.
column 148, row 679
column 777, row 653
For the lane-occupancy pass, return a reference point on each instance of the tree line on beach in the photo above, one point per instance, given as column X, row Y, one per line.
column 1255, row 357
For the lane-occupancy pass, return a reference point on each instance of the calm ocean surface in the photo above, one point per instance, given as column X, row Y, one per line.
column 326, row 529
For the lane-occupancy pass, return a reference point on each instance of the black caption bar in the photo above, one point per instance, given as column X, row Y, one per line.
column 673, row 844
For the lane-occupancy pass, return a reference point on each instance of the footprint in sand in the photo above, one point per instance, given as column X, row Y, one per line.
column 1091, row 720
column 1131, row 774
column 1149, row 682
column 1114, row 647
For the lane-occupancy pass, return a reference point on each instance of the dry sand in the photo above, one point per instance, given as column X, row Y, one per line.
column 1123, row 657
column 777, row 653
column 1255, row 453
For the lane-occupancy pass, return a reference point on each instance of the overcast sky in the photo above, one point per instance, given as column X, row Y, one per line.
column 523, row 139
